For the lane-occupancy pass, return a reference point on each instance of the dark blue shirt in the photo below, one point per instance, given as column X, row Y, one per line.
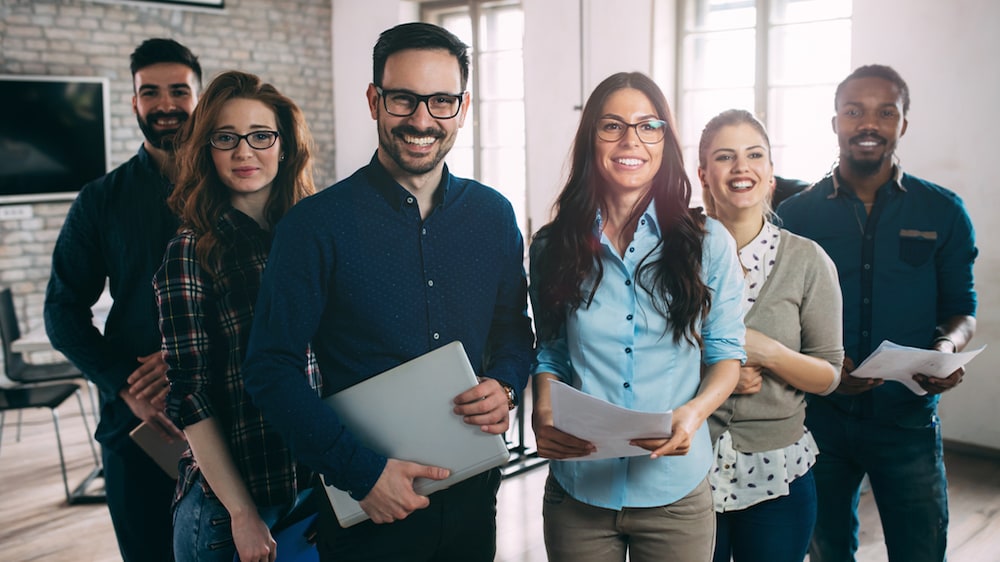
column 115, row 232
column 355, row 270
column 904, row 268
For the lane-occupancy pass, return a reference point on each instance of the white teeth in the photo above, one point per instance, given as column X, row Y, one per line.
column 421, row 141
column 868, row 143
column 742, row 184
column 629, row 161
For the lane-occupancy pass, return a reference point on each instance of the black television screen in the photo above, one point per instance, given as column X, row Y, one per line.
column 54, row 136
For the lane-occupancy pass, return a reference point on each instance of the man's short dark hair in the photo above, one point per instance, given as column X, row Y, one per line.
column 877, row 71
column 418, row 35
column 159, row 50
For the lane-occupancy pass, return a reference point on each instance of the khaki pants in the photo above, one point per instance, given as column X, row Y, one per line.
column 683, row 531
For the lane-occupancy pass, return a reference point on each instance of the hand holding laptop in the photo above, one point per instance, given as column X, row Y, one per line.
column 393, row 497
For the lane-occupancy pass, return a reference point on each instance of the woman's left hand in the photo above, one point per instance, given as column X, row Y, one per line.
column 684, row 423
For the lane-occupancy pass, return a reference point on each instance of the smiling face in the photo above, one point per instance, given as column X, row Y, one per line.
column 628, row 164
column 737, row 173
column 165, row 96
column 246, row 171
column 869, row 123
column 416, row 145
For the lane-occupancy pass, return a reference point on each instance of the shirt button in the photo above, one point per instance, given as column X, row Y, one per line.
column 868, row 236
column 629, row 317
column 409, row 200
column 868, row 266
column 631, row 249
column 626, row 385
column 628, row 282
column 866, row 300
column 436, row 336
column 628, row 350
column 423, row 231
column 642, row 222
column 865, row 334
column 430, row 282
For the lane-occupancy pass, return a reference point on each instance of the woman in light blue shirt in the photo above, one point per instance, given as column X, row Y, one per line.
column 637, row 302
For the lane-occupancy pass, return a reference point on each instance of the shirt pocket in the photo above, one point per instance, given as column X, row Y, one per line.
column 916, row 246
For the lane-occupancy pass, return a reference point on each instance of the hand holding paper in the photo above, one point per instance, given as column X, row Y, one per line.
column 899, row 363
column 608, row 427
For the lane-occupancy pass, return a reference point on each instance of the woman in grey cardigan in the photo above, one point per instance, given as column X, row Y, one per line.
column 762, row 486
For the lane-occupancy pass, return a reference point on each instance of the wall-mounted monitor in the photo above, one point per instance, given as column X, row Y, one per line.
column 54, row 136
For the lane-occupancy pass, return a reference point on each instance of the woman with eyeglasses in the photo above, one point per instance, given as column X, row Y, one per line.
column 244, row 160
column 762, row 485
column 636, row 300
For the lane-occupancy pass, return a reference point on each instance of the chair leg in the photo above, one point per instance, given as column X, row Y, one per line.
column 18, row 438
column 2, row 416
column 86, row 427
column 62, row 459
column 91, row 390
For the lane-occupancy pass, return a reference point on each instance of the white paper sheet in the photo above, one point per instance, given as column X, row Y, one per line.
column 607, row 426
column 899, row 363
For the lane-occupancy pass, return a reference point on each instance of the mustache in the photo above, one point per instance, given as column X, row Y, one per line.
column 867, row 136
column 415, row 132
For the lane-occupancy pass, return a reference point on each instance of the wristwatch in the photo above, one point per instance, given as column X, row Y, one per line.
column 511, row 397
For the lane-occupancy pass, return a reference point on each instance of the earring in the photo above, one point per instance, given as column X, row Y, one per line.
column 282, row 157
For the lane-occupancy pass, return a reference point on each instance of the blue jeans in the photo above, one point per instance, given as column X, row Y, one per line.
column 203, row 530
column 777, row 530
column 904, row 461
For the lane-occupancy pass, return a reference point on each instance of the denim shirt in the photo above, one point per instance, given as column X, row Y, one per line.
column 620, row 349
column 904, row 268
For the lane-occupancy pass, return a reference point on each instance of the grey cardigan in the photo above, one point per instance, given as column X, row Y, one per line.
column 799, row 305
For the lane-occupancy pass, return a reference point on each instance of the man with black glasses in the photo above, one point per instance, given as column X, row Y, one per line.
column 116, row 233
column 396, row 260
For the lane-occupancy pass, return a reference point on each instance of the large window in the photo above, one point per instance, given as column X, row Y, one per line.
column 780, row 59
column 491, row 146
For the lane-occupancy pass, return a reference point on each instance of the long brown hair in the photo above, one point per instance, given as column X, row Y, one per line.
column 570, row 251
column 199, row 197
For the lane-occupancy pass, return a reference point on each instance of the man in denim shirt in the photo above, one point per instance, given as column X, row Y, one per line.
column 904, row 249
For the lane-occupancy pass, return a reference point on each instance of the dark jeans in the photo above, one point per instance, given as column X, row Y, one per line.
column 777, row 530
column 905, row 465
column 459, row 524
column 139, row 494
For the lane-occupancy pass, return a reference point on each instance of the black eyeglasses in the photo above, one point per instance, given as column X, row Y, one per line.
column 402, row 103
column 257, row 140
column 650, row 131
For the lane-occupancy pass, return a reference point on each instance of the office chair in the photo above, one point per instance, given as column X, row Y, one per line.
column 23, row 390
column 21, row 371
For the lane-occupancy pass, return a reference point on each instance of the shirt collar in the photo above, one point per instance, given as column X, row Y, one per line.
column 646, row 221
column 896, row 179
column 395, row 194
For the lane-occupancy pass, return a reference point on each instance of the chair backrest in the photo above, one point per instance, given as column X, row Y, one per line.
column 13, row 362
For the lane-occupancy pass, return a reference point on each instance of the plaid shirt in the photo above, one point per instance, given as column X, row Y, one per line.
column 205, row 320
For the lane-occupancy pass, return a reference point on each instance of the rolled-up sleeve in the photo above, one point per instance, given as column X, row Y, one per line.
column 722, row 331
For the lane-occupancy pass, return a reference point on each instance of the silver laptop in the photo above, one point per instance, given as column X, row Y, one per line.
column 406, row 413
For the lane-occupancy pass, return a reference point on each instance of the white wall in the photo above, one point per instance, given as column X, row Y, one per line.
column 356, row 26
column 946, row 52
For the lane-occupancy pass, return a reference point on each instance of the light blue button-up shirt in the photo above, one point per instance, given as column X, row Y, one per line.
column 620, row 349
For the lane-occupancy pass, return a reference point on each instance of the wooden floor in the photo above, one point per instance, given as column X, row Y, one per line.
column 36, row 523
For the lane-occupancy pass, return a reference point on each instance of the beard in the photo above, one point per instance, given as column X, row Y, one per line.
column 161, row 139
column 866, row 166
column 392, row 143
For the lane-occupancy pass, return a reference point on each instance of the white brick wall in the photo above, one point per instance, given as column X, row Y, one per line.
column 286, row 42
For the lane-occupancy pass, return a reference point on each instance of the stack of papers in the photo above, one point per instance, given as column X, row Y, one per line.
column 894, row 362
column 607, row 426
